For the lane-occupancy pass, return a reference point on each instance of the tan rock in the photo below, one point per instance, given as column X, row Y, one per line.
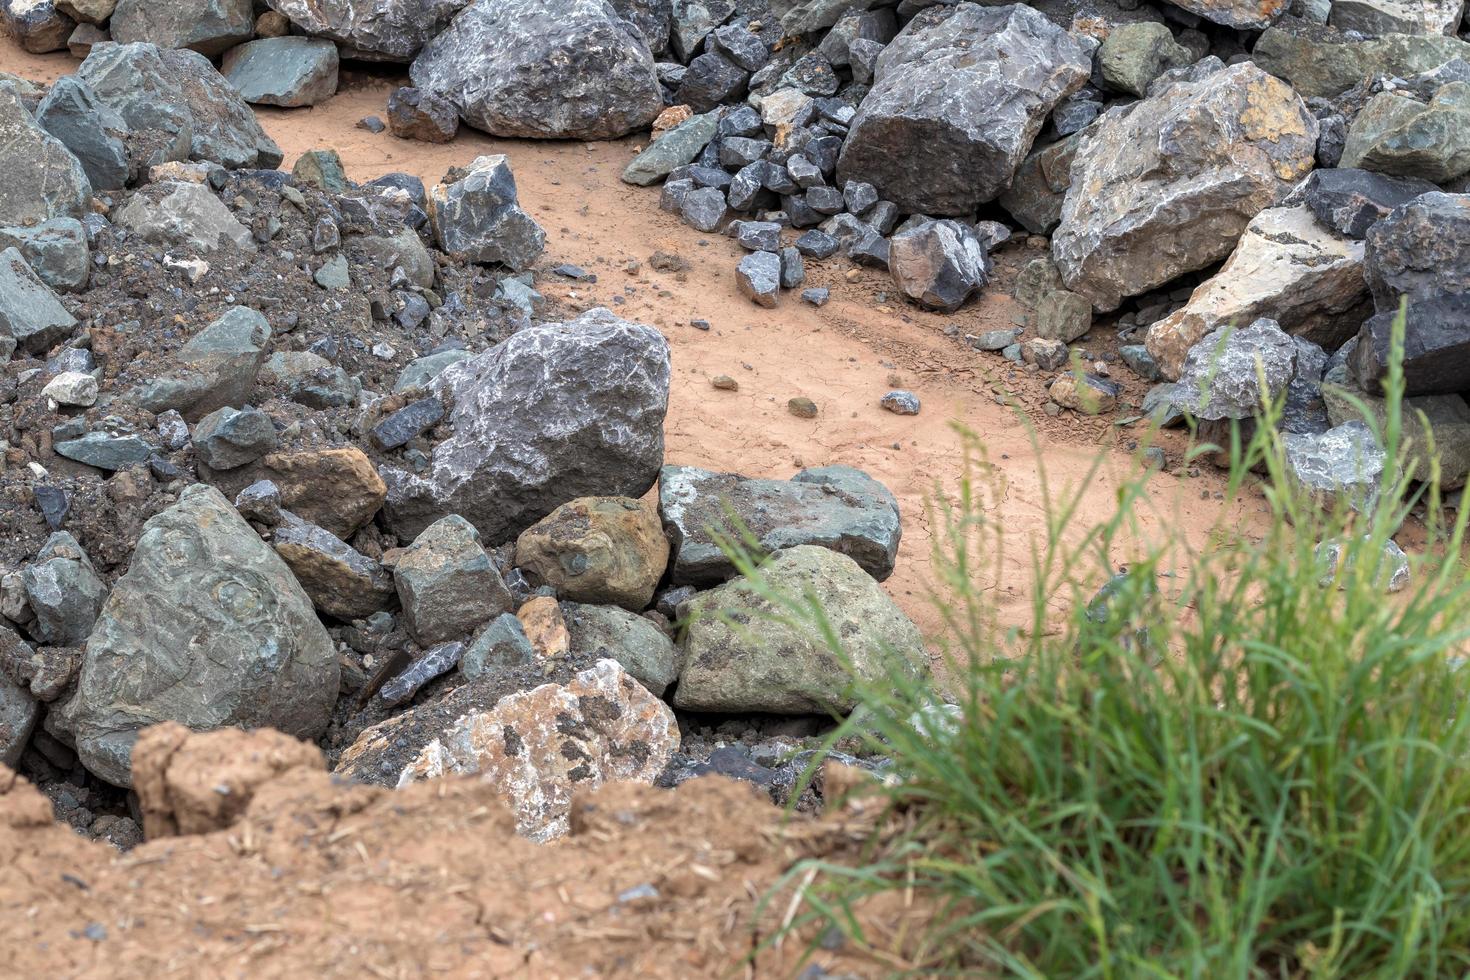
column 545, row 627
column 337, row 489
column 539, row 746
column 598, row 550
column 272, row 24
column 87, row 11
column 1287, row 267
column 1084, row 393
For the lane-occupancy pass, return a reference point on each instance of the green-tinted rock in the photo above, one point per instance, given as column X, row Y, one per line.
column 447, row 584
column 1323, row 63
column 42, row 178
column 1405, row 138
column 675, row 148
column 208, row 628
column 217, row 367
column 322, row 169
column 1449, row 428
column 421, row 371
column 635, row 642
column 1133, row 55
column 106, row 452
column 740, row 656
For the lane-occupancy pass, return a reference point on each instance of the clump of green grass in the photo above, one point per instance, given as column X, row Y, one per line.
column 1222, row 769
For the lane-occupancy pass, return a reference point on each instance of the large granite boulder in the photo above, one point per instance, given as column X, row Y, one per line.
column 556, row 412
column 545, row 69
column 957, row 100
column 170, row 96
column 43, row 179
column 210, row 27
column 1165, row 186
column 1287, row 267
column 1323, row 63
column 744, row 653
column 208, row 628
column 380, row 30
column 835, row 507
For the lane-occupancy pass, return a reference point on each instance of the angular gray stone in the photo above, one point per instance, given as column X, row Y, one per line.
column 555, row 412
column 1345, row 463
column 633, row 641
column 423, row 370
column 64, row 592
column 805, row 16
column 210, row 27
column 384, row 30
column 1239, row 14
column 425, row 667
column 35, row 24
column 283, row 71
column 173, row 98
column 1039, row 189
column 1376, row 17
column 938, row 264
column 545, row 69
column 18, row 713
column 43, row 180
column 1403, row 137
column 703, row 209
column 447, row 584
column 478, row 218
column 208, row 628
column 90, row 129
column 741, row 654
column 501, row 645
column 1166, row 186
column 1391, row 571
column 758, row 277
column 414, row 114
column 178, row 213
column 758, row 236
column 1227, row 365
column 956, row 102
column 228, row 438
column 31, row 317
column 409, row 422
column 106, row 451
column 835, row 507
column 56, row 251
column 1133, row 55
column 310, row 379
column 1323, row 63
column 675, row 148
column 1352, row 201
column 1419, row 251
column 217, row 367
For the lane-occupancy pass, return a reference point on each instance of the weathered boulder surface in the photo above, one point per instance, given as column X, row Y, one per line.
column 36, row 25
column 1226, row 369
column 56, row 251
column 31, row 317
column 283, row 71
column 93, row 132
column 478, row 217
column 1239, row 14
column 597, row 549
column 556, row 412
column 1165, row 186
column 172, row 96
column 835, row 507
column 43, row 180
column 537, row 747
column 210, row 27
column 383, row 30
column 1322, row 63
column 218, row 366
column 631, row 640
column 208, row 628
column 938, row 264
column 1403, row 137
column 957, row 100
column 180, row 213
column 1287, row 267
column 1352, row 201
column 341, row 581
column 545, row 69
column 742, row 654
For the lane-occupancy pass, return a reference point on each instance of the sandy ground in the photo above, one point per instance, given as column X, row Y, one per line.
column 845, row 356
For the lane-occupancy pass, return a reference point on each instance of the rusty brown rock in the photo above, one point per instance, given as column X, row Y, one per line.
column 353, row 490
column 539, row 746
column 545, row 627
column 597, row 550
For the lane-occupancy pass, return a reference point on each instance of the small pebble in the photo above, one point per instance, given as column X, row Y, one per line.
column 817, row 295
column 802, row 407
column 901, row 402
column 724, row 383
column 372, row 124
column 699, row 324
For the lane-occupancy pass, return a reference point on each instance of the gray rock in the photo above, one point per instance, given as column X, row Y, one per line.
column 992, row 340
column 873, row 26
column 1419, row 251
column 43, row 179
column 739, row 45
column 938, row 264
column 479, row 218
column 177, row 213
column 1401, row 136
column 106, row 452
column 545, row 69
column 18, row 713
column 447, row 583
column 55, row 250
column 1436, row 347
column 35, row 24
column 1440, row 421
column 217, row 367
column 901, row 402
column 90, row 129
column 310, row 379
column 956, row 102
column 409, row 422
column 653, row 18
column 1323, row 63
column 208, row 628
column 31, row 317
column 211, row 27
column 693, row 21
column 1166, row 186
column 793, row 270
column 1037, row 193
column 334, row 273
column 742, row 655
column 261, row 501
column 1227, row 366
column 835, row 507
column 704, row 209
column 414, row 114
column 759, row 278
column 502, row 644
column 1391, row 571
column 816, row 296
column 1351, row 201
column 1133, row 55
column 633, row 641
column 229, row 438
column 556, row 412
column 1239, row 14
column 384, row 30
column 817, row 244
column 712, row 80
column 1140, row 361
column 806, row 16
column 1343, row 463
column 64, row 592
column 174, row 100
column 425, row 667
column 758, row 236
column 675, row 148
column 284, row 71
column 423, row 370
